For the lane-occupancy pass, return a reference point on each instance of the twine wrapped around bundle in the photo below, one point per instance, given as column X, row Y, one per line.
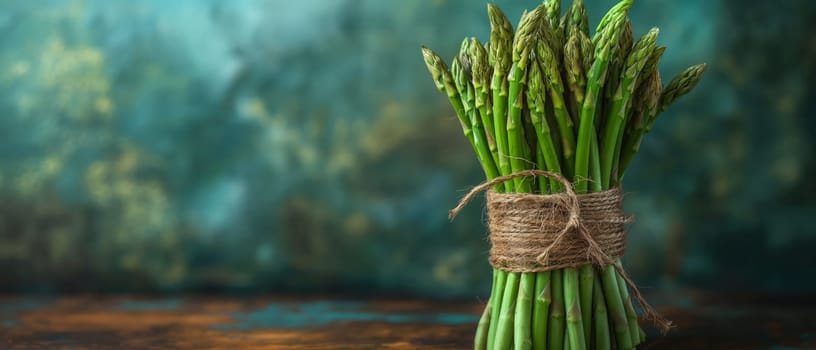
column 534, row 233
column 524, row 230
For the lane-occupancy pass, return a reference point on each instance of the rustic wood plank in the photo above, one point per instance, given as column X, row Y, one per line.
column 704, row 322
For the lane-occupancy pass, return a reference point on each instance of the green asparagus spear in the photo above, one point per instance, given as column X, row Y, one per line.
column 618, row 56
column 536, row 97
column 576, row 19
column 595, row 81
column 572, row 302
column 647, row 93
column 500, row 57
column 574, row 73
column 480, row 339
column 616, row 119
column 586, row 285
column 646, row 104
column 522, row 46
column 444, row 82
column 652, row 63
column 603, row 340
column 587, row 272
column 496, row 296
column 553, row 9
column 609, row 19
column 587, row 51
column 504, row 334
column 523, row 339
column 522, row 49
column 465, row 88
column 482, row 72
column 680, row 86
column 541, row 309
column 549, row 64
column 557, row 323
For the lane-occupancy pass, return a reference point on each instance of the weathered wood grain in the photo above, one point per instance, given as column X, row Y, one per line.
column 704, row 322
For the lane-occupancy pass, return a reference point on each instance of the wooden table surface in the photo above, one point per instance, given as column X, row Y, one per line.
column 704, row 321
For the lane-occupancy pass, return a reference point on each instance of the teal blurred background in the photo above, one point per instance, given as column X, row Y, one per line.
column 300, row 146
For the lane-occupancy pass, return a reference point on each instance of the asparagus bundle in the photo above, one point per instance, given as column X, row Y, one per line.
column 549, row 96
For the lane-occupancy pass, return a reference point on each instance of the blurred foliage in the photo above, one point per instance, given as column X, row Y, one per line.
column 266, row 145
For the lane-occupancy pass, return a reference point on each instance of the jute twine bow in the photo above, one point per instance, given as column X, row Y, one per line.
column 557, row 207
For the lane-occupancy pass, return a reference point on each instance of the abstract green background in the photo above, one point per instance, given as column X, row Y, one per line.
column 300, row 146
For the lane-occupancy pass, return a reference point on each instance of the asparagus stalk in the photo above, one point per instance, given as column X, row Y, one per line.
column 595, row 80
column 480, row 340
column 530, row 146
column 574, row 71
column 522, row 45
column 553, row 9
column 524, row 307
column 621, row 102
column 496, row 301
column 594, row 164
column 541, row 308
column 586, row 285
column 615, row 307
column 575, row 325
column 616, row 169
column 444, row 82
column 504, row 335
column 556, row 323
column 647, row 102
column 587, row 51
column 652, row 63
column 481, row 84
column 462, row 80
column 602, row 336
column 679, row 86
column 610, row 19
column 548, row 62
column 647, row 94
column 500, row 57
column 552, row 34
column 543, row 185
column 536, row 97
column 616, row 64
column 576, row 19
column 587, row 272
column 625, row 43
column 536, row 102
